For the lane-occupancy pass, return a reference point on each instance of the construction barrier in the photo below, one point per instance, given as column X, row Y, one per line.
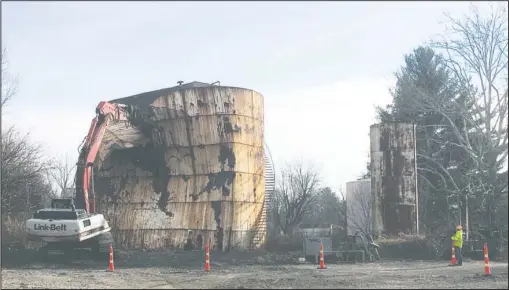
column 322, row 262
column 453, row 255
column 207, row 258
column 111, row 266
column 487, row 269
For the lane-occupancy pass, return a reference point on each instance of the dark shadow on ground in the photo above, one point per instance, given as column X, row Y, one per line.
column 29, row 259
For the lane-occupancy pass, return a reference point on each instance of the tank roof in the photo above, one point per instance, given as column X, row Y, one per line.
column 358, row 181
column 392, row 123
column 145, row 99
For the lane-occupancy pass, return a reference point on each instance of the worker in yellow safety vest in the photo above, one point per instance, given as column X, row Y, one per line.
column 458, row 244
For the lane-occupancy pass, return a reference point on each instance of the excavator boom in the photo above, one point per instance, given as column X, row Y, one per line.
column 66, row 226
column 105, row 113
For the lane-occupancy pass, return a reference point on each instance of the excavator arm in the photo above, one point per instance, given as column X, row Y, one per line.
column 105, row 113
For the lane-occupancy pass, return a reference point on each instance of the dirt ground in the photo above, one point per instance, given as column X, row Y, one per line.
column 164, row 270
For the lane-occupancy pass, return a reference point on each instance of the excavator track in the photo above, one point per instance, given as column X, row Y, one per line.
column 98, row 246
column 101, row 248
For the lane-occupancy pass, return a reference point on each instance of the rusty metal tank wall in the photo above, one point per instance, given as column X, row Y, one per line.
column 393, row 178
column 200, row 178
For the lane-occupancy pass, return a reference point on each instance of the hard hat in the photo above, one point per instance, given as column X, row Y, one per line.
column 459, row 227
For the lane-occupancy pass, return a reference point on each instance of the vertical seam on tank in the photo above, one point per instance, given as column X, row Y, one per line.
column 187, row 119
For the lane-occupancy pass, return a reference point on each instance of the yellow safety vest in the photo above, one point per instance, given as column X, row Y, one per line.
column 458, row 239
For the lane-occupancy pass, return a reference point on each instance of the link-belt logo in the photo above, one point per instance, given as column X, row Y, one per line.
column 53, row 227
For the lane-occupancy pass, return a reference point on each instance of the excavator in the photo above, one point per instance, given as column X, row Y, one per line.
column 73, row 223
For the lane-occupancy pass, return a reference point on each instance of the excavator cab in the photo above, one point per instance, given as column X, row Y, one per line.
column 62, row 203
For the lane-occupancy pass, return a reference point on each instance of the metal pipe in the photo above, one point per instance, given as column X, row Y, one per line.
column 92, row 188
column 416, row 182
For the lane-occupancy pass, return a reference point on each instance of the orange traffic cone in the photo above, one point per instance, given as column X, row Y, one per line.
column 322, row 262
column 207, row 258
column 487, row 269
column 453, row 256
column 111, row 267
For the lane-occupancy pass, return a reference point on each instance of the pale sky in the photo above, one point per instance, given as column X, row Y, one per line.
column 321, row 67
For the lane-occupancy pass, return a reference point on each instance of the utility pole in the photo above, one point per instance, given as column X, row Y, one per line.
column 466, row 216
column 458, row 200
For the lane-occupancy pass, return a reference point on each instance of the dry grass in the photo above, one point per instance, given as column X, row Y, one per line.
column 14, row 230
column 284, row 243
column 400, row 239
column 409, row 247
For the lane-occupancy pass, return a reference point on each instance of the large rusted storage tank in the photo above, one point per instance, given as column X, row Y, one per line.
column 394, row 178
column 194, row 174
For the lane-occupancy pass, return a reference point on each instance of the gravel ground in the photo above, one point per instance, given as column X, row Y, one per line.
column 156, row 270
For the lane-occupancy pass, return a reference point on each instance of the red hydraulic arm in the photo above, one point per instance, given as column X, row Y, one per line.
column 106, row 112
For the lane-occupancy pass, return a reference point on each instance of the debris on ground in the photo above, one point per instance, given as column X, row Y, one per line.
column 244, row 270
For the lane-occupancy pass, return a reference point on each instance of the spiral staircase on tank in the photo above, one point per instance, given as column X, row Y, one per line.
column 262, row 221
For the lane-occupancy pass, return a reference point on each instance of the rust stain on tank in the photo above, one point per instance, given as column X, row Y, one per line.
column 198, row 175
column 394, row 177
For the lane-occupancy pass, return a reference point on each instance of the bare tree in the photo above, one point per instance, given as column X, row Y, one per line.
column 22, row 167
column 295, row 193
column 23, row 185
column 9, row 83
column 23, row 171
column 21, row 161
column 477, row 55
column 475, row 120
column 476, row 49
column 62, row 175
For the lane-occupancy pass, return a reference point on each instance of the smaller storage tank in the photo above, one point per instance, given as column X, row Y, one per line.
column 394, row 178
column 358, row 207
